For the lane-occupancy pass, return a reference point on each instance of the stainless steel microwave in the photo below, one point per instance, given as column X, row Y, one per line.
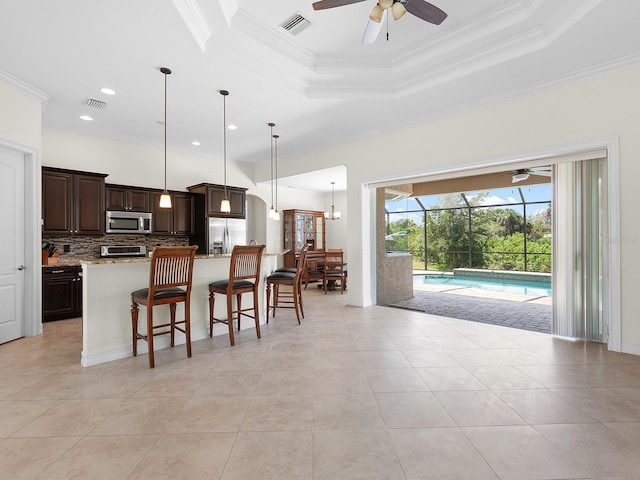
column 128, row 222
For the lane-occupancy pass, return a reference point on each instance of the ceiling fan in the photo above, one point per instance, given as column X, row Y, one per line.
column 523, row 173
column 420, row 8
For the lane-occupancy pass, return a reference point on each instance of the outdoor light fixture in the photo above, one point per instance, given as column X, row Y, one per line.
column 333, row 215
column 225, row 204
column 165, row 198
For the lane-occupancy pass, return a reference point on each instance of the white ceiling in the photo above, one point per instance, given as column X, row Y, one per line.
column 320, row 87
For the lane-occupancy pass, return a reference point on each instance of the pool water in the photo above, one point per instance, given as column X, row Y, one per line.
column 538, row 289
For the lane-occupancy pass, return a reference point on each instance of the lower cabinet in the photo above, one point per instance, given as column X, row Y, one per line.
column 61, row 292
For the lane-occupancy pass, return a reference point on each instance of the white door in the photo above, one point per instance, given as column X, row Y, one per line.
column 12, row 245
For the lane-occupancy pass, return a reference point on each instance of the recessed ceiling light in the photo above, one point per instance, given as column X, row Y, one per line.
column 195, row 143
column 108, row 91
column 86, row 118
column 232, row 127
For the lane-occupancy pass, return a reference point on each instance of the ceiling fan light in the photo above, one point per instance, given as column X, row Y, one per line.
column 385, row 3
column 519, row 177
column 376, row 13
column 398, row 10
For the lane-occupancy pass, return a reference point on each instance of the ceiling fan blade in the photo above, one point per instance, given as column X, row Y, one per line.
column 542, row 173
column 372, row 30
column 323, row 4
column 426, row 11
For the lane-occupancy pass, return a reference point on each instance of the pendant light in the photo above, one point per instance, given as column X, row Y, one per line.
column 333, row 215
column 276, row 214
column 272, row 211
column 225, row 204
column 165, row 198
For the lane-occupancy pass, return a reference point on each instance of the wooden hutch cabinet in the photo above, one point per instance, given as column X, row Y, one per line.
column 302, row 227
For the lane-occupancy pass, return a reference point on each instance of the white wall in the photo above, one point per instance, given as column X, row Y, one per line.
column 20, row 117
column 337, row 229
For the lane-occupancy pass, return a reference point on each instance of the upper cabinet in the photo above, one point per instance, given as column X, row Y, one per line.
column 124, row 198
column 214, row 194
column 72, row 202
column 177, row 220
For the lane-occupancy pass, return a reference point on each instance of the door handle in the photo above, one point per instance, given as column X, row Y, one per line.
column 21, row 267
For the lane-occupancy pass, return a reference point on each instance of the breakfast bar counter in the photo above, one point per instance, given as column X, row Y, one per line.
column 106, row 298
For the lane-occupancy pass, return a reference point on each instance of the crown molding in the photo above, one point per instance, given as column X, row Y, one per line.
column 194, row 20
column 605, row 68
column 418, row 72
column 229, row 9
column 24, row 87
column 255, row 64
column 273, row 39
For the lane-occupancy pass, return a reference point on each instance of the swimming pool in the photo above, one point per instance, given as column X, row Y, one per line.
column 538, row 289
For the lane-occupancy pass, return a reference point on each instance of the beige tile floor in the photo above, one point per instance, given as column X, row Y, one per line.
column 373, row 393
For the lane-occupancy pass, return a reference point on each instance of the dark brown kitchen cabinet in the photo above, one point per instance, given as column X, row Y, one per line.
column 177, row 220
column 61, row 292
column 214, row 195
column 72, row 202
column 124, row 198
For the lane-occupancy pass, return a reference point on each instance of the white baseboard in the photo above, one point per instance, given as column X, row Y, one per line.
column 159, row 343
column 630, row 347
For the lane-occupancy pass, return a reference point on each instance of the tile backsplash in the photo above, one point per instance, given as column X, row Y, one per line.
column 89, row 245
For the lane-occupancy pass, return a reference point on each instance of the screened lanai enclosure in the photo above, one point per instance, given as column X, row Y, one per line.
column 497, row 229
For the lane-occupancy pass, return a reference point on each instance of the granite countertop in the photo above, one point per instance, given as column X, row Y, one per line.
column 68, row 260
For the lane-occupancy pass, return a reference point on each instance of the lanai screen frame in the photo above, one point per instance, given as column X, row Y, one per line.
column 517, row 202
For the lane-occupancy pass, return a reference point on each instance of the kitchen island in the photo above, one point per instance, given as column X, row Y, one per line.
column 106, row 298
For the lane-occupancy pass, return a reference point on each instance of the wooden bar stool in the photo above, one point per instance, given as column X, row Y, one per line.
column 169, row 283
column 289, row 298
column 244, row 277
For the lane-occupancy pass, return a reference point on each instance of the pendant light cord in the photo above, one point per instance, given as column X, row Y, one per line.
column 224, row 142
column 165, row 131
column 271, row 125
column 276, row 166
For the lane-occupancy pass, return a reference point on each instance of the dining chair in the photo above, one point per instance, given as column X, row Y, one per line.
column 289, row 298
column 244, row 277
column 313, row 271
column 170, row 278
column 334, row 271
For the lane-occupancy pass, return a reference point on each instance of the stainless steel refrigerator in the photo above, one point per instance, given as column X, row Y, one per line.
column 225, row 233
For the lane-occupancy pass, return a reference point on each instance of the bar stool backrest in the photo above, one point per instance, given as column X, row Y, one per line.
column 171, row 267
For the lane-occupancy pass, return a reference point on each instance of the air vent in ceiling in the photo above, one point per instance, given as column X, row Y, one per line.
column 295, row 23
column 93, row 103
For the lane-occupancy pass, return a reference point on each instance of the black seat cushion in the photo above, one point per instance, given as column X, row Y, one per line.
column 223, row 284
column 287, row 270
column 281, row 276
column 160, row 293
